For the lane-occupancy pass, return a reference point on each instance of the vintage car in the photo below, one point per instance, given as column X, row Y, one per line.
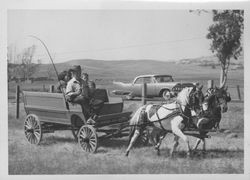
column 157, row 86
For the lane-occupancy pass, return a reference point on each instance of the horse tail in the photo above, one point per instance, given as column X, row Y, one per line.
column 131, row 133
column 134, row 121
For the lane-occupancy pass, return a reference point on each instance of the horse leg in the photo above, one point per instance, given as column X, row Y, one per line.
column 176, row 143
column 204, row 145
column 175, row 124
column 159, row 141
column 197, row 144
column 133, row 139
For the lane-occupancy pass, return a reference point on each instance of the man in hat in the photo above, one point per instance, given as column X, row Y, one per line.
column 75, row 92
column 63, row 79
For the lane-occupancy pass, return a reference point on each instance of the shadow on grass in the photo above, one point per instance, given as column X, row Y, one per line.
column 50, row 140
column 208, row 154
column 113, row 143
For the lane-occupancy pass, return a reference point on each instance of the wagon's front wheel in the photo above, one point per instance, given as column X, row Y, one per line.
column 33, row 129
column 87, row 138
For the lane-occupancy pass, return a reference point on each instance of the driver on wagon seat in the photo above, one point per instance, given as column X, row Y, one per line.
column 77, row 92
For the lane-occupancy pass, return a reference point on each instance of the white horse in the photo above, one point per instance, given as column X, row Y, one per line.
column 170, row 118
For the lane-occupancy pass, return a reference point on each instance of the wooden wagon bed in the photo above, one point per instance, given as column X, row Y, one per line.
column 47, row 112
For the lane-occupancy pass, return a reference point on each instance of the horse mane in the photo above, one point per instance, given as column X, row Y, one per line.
column 183, row 96
column 210, row 100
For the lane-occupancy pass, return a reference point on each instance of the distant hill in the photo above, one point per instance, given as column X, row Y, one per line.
column 126, row 70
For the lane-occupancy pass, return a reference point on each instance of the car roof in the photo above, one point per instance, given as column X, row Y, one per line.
column 153, row 75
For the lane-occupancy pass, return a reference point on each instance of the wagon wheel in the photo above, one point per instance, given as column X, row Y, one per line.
column 33, row 129
column 87, row 138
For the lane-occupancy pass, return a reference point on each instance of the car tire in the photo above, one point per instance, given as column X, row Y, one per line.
column 166, row 94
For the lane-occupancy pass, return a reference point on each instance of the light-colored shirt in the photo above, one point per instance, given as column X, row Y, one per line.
column 76, row 87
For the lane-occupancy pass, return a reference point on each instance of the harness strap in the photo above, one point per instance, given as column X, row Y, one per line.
column 159, row 120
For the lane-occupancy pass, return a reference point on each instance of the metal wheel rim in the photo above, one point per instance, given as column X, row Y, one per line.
column 166, row 95
column 87, row 139
column 32, row 129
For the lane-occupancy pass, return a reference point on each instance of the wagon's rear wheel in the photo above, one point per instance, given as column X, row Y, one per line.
column 33, row 129
column 87, row 138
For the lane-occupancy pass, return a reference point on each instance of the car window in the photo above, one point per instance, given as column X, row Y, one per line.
column 146, row 80
column 139, row 81
column 161, row 79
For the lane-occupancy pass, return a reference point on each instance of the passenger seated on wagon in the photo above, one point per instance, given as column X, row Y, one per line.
column 77, row 92
column 63, row 79
column 90, row 90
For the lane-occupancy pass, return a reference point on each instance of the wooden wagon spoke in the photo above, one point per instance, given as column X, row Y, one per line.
column 37, row 135
column 28, row 135
column 33, row 129
column 92, row 144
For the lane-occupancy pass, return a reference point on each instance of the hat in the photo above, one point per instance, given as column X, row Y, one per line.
column 76, row 68
column 62, row 75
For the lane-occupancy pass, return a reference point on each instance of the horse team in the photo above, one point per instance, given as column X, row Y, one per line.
column 192, row 111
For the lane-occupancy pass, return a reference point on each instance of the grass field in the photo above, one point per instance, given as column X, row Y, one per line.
column 60, row 154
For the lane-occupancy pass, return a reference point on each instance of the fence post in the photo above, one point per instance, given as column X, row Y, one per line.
column 17, row 101
column 238, row 90
column 44, row 88
column 144, row 93
column 210, row 84
column 51, row 88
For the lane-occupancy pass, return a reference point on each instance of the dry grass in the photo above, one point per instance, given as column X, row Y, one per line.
column 60, row 154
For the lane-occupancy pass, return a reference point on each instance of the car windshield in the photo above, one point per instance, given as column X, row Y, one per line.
column 161, row 79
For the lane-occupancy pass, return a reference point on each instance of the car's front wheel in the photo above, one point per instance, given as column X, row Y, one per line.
column 166, row 94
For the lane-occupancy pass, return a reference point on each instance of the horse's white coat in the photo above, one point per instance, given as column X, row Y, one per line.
column 166, row 109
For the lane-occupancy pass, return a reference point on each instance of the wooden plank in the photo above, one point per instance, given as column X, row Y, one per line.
column 113, row 116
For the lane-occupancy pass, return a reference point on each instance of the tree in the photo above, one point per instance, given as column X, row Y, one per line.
column 226, row 35
column 27, row 68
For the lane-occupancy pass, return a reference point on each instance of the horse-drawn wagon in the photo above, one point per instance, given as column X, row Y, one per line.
column 49, row 112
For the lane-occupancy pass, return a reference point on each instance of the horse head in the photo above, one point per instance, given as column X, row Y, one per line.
column 222, row 97
column 196, row 98
column 191, row 97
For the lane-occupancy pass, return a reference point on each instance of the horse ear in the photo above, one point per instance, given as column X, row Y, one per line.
column 200, row 88
column 226, row 88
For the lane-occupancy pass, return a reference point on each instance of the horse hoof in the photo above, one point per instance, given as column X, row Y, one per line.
column 127, row 153
column 158, row 153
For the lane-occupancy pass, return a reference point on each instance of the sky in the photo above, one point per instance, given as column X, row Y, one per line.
column 110, row 34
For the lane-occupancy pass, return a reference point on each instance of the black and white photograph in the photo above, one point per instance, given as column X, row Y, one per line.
column 95, row 91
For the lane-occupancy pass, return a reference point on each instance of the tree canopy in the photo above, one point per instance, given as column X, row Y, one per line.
column 226, row 34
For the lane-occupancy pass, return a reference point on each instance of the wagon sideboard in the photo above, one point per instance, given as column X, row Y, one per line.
column 51, row 108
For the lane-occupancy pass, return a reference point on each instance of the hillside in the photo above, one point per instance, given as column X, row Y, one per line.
column 127, row 69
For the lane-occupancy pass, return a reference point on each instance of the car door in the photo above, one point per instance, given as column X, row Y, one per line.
column 136, row 86
column 150, row 86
